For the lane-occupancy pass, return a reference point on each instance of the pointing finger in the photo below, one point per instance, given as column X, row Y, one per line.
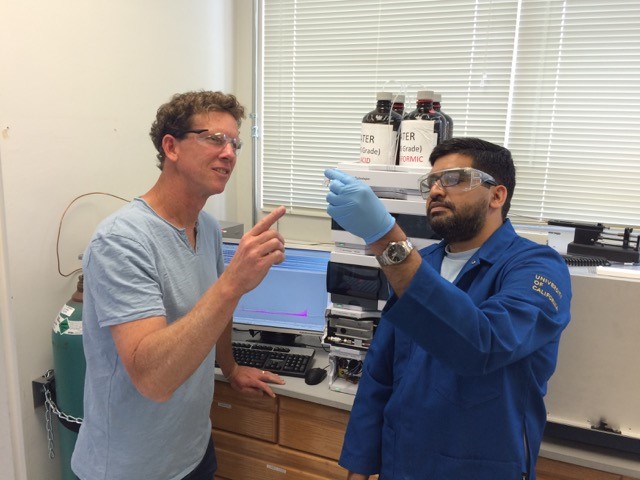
column 265, row 223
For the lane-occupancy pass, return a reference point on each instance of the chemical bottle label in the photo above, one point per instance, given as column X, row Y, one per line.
column 417, row 140
column 378, row 144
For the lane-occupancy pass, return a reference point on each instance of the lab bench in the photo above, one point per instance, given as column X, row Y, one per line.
column 299, row 434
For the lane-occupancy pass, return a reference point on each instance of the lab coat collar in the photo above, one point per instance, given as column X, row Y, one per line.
column 490, row 250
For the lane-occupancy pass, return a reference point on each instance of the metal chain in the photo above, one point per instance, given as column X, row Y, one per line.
column 50, row 406
column 47, row 416
column 59, row 414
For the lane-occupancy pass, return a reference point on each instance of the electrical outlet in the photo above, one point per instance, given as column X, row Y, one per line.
column 38, row 385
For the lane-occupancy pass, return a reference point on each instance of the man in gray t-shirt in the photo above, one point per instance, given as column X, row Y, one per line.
column 158, row 304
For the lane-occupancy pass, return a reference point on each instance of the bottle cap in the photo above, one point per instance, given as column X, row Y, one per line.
column 384, row 96
column 437, row 97
column 425, row 95
column 398, row 98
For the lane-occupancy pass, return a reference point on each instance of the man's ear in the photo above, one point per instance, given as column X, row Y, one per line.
column 499, row 196
column 170, row 147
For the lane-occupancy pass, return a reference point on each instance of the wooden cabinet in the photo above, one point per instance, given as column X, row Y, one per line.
column 554, row 470
column 311, row 427
column 251, row 416
column 264, row 438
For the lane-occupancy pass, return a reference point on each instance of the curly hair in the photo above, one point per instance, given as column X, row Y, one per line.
column 486, row 156
column 174, row 117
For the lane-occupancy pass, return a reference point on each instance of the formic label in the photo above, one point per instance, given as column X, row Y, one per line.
column 378, row 144
column 417, row 140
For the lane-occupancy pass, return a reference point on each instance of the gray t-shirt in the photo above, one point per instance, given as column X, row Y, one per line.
column 452, row 263
column 136, row 266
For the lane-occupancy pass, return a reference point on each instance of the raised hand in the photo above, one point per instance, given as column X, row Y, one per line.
column 258, row 250
column 356, row 208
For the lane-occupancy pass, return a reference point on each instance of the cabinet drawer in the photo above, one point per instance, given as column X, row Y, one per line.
column 254, row 416
column 242, row 458
column 311, row 427
column 547, row 469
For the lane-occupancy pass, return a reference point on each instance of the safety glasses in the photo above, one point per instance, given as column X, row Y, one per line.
column 467, row 178
column 219, row 140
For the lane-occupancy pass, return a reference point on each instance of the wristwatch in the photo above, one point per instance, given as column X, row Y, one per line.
column 395, row 253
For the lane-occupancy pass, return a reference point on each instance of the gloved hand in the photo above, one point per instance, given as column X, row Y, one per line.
column 356, row 208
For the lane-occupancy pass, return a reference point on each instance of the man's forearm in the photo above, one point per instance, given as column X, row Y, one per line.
column 224, row 352
column 160, row 357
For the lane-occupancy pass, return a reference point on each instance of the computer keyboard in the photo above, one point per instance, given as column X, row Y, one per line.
column 283, row 360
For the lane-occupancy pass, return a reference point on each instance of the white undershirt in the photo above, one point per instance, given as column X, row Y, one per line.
column 452, row 263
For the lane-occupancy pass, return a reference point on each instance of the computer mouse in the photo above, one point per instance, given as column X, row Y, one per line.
column 314, row 376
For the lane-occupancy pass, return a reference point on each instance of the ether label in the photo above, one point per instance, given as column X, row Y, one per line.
column 378, row 144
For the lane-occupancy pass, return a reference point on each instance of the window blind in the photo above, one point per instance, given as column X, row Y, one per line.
column 557, row 82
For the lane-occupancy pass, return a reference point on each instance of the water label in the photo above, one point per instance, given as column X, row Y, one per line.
column 417, row 140
column 378, row 144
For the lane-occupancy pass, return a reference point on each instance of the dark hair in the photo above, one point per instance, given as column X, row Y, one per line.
column 174, row 117
column 486, row 156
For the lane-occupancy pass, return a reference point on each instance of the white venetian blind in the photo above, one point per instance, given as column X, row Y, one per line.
column 557, row 82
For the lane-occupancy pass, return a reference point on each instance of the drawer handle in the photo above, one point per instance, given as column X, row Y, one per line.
column 224, row 405
column 277, row 469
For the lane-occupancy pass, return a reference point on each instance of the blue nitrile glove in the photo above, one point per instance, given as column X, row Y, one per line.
column 356, row 208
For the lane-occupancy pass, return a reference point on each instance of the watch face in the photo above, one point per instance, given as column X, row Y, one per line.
column 396, row 252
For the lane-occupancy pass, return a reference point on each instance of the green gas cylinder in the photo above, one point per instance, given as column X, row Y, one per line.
column 69, row 367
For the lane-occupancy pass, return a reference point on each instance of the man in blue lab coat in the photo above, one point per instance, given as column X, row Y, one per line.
column 453, row 383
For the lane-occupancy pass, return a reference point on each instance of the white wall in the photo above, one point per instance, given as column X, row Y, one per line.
column 10, row 430
column 79, row 88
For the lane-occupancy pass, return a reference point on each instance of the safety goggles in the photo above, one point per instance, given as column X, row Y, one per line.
column 468, row 178
column 219, row 140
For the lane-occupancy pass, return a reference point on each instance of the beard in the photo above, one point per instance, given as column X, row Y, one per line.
column 459, row 225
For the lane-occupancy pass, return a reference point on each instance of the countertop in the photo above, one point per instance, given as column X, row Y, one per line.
column 556, row 449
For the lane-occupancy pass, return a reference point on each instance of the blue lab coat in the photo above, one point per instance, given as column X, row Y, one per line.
column 453, row 383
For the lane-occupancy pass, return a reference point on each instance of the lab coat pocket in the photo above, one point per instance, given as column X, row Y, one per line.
column 473, row 469
column 467, row 391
